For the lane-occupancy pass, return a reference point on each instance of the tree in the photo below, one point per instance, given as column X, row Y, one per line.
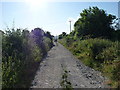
column 62, row 35
column 94, row 22
column 48, row 34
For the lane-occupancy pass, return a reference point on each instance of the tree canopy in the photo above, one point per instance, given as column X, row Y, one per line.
column 62, row 35
column 94, row 22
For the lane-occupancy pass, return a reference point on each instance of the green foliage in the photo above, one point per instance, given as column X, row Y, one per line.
column 95, row 22
column 20, row 56
column 37, row 54
column 11, row 60
column 116, row 35
column 64, row 82
column 48, row 43
column 62, row 35
column 88, row 50
column 110, row 53
column 48, row 35
column 112, row 70
column 67, row 41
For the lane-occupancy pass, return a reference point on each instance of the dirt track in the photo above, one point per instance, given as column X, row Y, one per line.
column 59, row 60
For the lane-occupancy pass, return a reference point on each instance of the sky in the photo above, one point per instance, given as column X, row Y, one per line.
column 50, row 16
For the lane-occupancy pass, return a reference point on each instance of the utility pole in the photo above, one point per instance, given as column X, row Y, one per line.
column 70, row 26
column 13, row 24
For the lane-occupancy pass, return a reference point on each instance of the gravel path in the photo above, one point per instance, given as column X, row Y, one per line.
column 50, row 71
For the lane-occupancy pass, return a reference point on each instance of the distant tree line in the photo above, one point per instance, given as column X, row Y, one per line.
column 94, row 23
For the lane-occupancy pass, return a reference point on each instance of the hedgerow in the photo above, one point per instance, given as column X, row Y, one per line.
column 22, row 52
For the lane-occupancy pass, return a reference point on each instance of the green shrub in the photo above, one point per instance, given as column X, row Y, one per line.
column 21, row 54
column 48, row 43
column 109, row 53
column 12, row 58
column 88, row 50
column 37, row 54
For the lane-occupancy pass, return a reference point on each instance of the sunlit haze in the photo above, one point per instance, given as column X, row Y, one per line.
column 50, row 16
column 35, row 5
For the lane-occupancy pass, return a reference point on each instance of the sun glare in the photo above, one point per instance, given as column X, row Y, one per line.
column 36, row 4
